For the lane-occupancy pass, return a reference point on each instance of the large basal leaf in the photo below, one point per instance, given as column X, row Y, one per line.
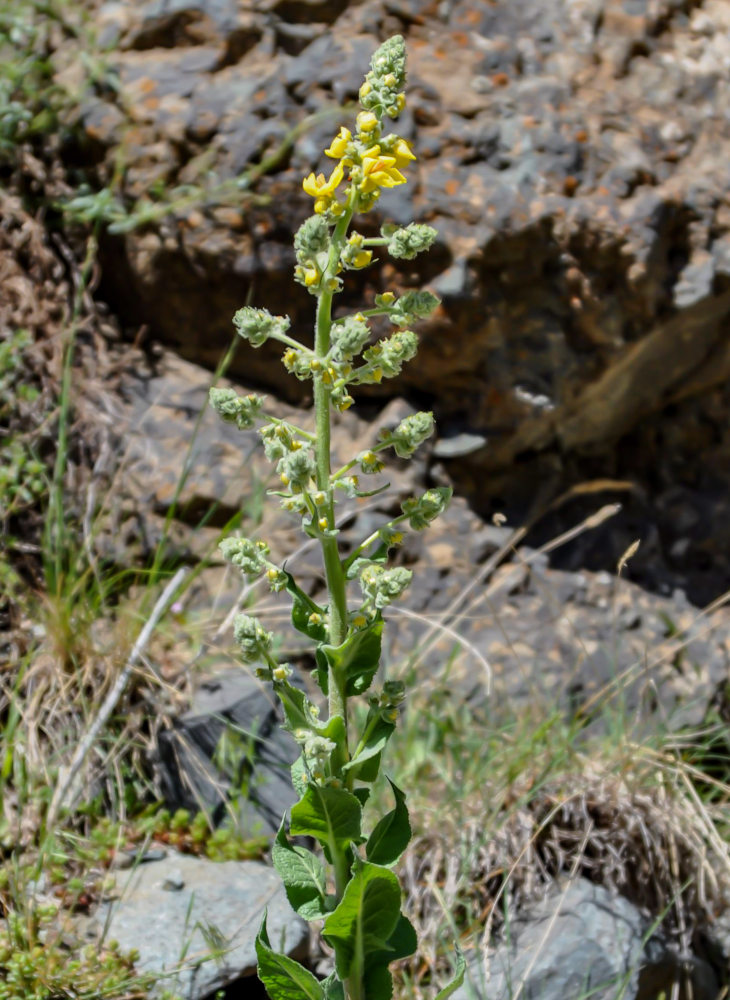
column 332, row 815
column 391, row 835
column 364, row 919
column 302, row 873
column 283, row 977
column 458, row 978
column 357, row 659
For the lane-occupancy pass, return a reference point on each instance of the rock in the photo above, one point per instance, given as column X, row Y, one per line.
column 582, row 940
column 214, row 907
column 252, row 778
column 573, row 163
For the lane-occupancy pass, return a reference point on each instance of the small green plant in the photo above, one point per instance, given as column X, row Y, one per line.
column 353, row 889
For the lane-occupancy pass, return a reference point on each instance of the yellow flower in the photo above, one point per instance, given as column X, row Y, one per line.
column 402, row 153
column 362, row 259
column 318, row 187
column 339, row 144
column 380, row 171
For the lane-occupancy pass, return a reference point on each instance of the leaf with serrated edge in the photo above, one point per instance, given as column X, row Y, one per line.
column 364, row 919
column 391, row 835
column 283, row 977
column 332, row 815
column 457, row 980
column 302, row 873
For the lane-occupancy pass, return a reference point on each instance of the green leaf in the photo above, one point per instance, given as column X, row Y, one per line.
column 333, row 988
column 332, row 815
column 458, row 978
column 283, row 977
column 351, row 567
column 365, row 918
column 374, row 745
column 299, row 776
column 302, row 873
column 302, row 607
column 391, row 835
column 361, row 794
column 298, row 709
column 358, row 658
column 401, row 943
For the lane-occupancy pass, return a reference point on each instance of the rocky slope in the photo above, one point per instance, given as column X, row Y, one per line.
column 573, row 155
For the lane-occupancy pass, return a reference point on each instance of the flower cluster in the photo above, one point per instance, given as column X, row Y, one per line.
column 369, row 160
column 420, row 511
column 255, row 642
column 250, row 558
column 409, row 434
column 257, row 325
column 243, row 411
column 407, row 242
column 411, row 306
column 382, row 586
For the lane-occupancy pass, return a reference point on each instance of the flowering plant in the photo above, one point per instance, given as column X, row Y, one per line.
column 352, row 888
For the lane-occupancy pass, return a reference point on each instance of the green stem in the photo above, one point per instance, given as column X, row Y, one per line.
column 334, row 572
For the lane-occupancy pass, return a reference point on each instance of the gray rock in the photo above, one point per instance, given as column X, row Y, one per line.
column 218, row 904
column 253, row 778
column 583, row 941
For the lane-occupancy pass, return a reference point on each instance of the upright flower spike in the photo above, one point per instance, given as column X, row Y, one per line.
column 350, row 885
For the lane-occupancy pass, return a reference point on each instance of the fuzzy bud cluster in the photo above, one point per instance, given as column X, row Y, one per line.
column 387, row 357
column 252, row 637
column 311, row 246
column 249, row 556
column 407, row 242
column 296, row 469
column 382, row 91
column 410, row 433
column 243, row 411
column 257, row 325
column 349, row 336
column 420, row 511
column 381, row 586
column 413, row 306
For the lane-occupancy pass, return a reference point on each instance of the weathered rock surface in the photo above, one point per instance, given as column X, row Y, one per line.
column 579, row 639
column 581, row 941
column 178, row 910
column 253, row 776
column 574, row 159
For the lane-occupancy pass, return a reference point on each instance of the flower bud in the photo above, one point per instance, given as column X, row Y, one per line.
column 370, row 463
